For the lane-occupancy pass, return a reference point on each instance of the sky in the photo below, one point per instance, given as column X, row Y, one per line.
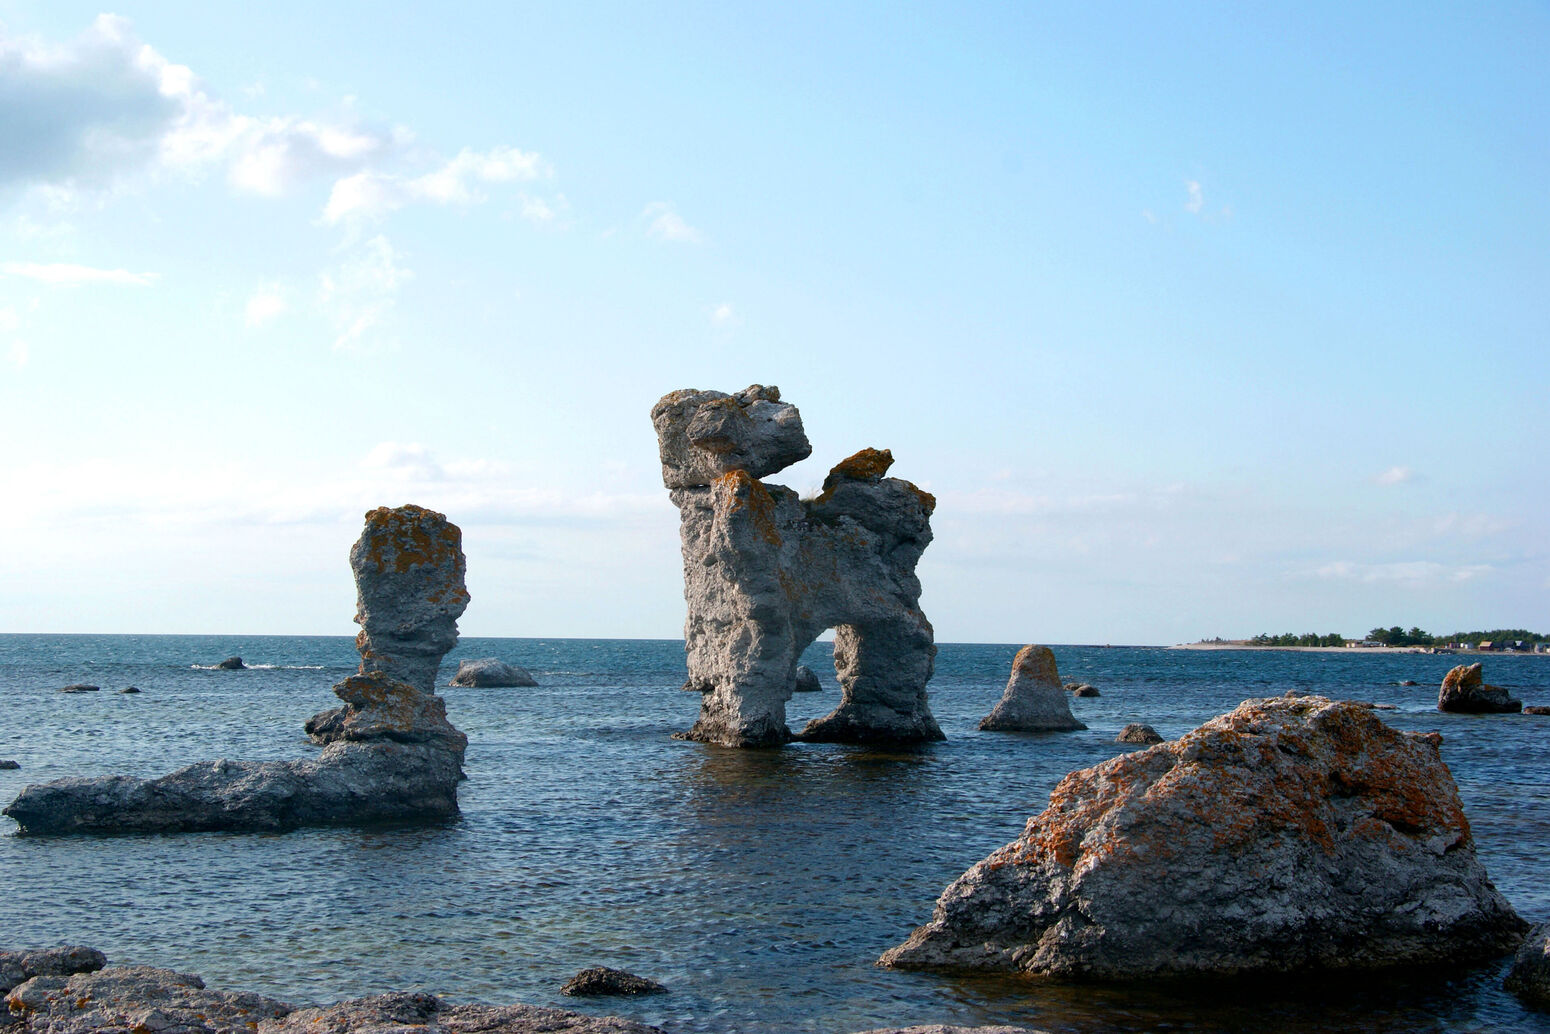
column 1199, row 320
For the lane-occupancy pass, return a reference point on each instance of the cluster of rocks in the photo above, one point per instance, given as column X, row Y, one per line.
column 1465, row 691
column 389, row 756
column 766, row 572
column 1291, row 834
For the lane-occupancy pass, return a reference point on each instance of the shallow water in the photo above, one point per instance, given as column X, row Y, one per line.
column 758, row 885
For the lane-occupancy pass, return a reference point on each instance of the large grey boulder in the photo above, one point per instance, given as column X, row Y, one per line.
column 490, row 673
column 1034, row 699
column 18, row 967
column 390, row 754
column 135, row 1000
column 1529, row 977
column 1288, row 835
column 1464, row 690
column 765, row 573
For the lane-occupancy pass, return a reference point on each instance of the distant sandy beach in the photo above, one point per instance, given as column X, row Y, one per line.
column 1353, row 649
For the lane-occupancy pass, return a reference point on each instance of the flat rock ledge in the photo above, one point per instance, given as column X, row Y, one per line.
column 1289, row 835
column 490, row 673
column 1529, row 977
column 1034, row 700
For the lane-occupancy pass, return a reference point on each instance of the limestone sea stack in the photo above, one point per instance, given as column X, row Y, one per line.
column 766, row 572
column 1464, row 691
column 391, row 756
column 1288, row 835
column 1034, row 700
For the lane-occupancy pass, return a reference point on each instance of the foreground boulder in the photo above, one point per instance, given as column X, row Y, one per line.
column 490, row 673
column 1034, row 700
column 18, row 967
column 1529, row 977
column 765, row 573
column 1288, row 835
column 1464, row 691
column 390, row 755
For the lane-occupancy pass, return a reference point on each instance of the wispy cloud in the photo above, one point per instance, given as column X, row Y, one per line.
column 68, row 274
column 1409, row 573
column 361, row 291
column 1197, row 197
column 266, row 305
column 372, row 194
column 724, row 315
column 663, row 223
column 1395, row 476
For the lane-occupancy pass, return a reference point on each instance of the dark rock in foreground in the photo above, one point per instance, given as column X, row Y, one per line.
column 1464, row 691
column 231, row 664
column 488, row 672
column 79, row 687
column 1137, row 732
column 1529, row 977
column 17, row 967
column 600, row 980
column 1288, row 835
column 1033, row 700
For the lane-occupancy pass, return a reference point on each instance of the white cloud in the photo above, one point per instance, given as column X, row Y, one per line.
column 665, row 224
column 359, row 293
column 1395, row 476
column 536, row 209
column 409, row 461
column 68, row 274
column 266, row 305
column 1197, row 197
column 724, row 315
column 372, row 194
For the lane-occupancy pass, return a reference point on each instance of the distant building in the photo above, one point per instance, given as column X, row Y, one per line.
column 1486, row 644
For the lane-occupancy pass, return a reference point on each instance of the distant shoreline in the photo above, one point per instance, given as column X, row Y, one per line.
column 1356, row 649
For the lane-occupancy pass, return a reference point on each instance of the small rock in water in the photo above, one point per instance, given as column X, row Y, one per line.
column 600, row 980
column 79, row 687
column 1136, row 732
column 9, row 765
column 1407, row 682
column 807, row 681
column 130, row 689
column 1084, row 690
column 231, row 664
column 1465, row 691
column 1529, row 977
column 18, row 967
column 1536, row 709
column 489, row 673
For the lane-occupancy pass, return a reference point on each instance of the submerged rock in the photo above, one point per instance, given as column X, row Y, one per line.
column 1529, row 977
column 17, row 967
column 806, row 681
column 130, row 689
column 1137, row 732
column 1288, row 835
column 79, row 687
column 231, row 664
column 766, row 572
column 488, row 672
column 7, row 764
column 401, row 1012
column 391, row 756
column 136, row 1000
column 1536, row 709
column 600, row 980
column 1465, row 691
column 1034, row 700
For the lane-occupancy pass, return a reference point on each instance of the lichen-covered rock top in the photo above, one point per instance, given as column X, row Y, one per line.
column 1289, row 834
column 1464, row 690
column 702, row 435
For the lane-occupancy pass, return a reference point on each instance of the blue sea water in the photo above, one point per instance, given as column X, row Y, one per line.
column 759, row 886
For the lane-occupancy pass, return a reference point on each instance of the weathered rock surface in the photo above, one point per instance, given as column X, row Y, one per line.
column 17, row 967
column 488, row 672
column 806, row 681
column 415, row 1011
column 231, row 664
column 766, row 572
column 1529, row 977
column 1464, row 691
column 1137, row 732
column 409, row 570
column 600, row 980
column 1287, row 835
column 79, row 687
column 135, row 1000
column 391, row 756
column 1034, row 700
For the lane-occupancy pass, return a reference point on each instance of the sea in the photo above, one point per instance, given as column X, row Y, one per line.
column 759, row 886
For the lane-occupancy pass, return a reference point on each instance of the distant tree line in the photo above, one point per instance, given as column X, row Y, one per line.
column 1397, row 636
column 1293, row 639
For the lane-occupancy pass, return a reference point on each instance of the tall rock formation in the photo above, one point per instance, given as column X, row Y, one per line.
column 1034, row 700
column 390, row 754
column 765, row 573
column 1288, row 835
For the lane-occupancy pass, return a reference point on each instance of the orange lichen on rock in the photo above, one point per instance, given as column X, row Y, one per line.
column 408, row 536
column 740, row 490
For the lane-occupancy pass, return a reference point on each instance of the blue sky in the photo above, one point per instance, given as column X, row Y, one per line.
column 1199, row 320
